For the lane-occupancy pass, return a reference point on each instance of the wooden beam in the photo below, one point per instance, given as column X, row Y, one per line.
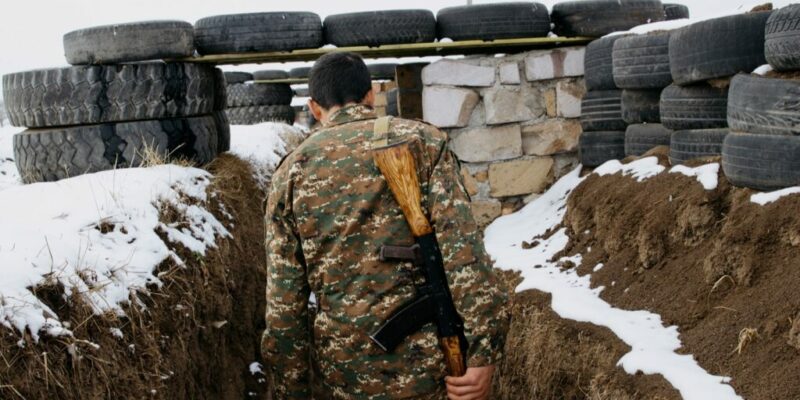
column 465, row 47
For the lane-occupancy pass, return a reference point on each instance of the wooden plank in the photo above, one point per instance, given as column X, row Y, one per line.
column 396, row 50
column 409, row 90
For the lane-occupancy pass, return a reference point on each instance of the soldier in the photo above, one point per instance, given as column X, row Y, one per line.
column 328, row 214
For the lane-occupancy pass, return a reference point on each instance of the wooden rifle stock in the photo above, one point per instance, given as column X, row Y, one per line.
column 398, row 167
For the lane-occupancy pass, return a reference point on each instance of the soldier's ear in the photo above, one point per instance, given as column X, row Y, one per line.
column 369, row 99
column 316, row 109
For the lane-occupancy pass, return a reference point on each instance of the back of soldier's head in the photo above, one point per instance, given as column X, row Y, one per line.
column 338, row 79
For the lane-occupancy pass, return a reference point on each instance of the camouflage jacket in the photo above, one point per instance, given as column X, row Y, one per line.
column 329, row 212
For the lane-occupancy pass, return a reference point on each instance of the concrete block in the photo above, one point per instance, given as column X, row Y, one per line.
column 449, row 72
column 487, row 143
column 486, row 211
column 509, row 73
column 557, row 63
column 520, row 177
column 448, row 107
column 505, row 105
column 568, row 98
column 551, row 137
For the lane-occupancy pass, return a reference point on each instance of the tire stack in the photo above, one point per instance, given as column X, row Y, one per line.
column 251, row 103
column 641, row 69
column 703, row 57
column 603, row 136
column 763, row 150
column 115, row 107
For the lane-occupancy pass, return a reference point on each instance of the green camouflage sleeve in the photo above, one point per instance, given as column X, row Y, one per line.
column 477, row 291
column 285, row 344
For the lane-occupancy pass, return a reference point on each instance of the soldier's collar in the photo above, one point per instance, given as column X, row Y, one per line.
column 356, row 112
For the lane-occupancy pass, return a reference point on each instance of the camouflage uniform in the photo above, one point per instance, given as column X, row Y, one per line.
column 328, row 214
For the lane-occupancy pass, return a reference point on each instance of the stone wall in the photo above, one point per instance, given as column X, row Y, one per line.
column 512, row 120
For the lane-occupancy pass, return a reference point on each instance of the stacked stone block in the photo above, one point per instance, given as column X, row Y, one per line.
column 513, row 122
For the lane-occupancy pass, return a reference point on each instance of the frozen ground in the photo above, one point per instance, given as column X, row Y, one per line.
column 653, row 345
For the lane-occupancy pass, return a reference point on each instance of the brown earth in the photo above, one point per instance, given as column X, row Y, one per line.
column 723, row 269
column 194, row 340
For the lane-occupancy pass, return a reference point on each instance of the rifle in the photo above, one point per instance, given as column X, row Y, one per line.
column 433, row 303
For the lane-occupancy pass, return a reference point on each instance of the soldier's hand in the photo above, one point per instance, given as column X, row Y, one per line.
column 475, row 385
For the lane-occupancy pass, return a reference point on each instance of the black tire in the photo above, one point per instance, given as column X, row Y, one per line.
column 642, row 62
column 375, row 28
column 596, row 148
column 115, row 93
column 718, row 48
column 299, row 73
column 220, row 90
column 493, row 21
column 44, row 155
column 259, row 94
column 270, row 74
column 764, row 105
column 238, row 77
column 391, row 103
column 641, row 138
column 382, row 71
column 247, row 33
column 782, row 47
column 641, row 106
column 596, row 18
column 676, row 11
column 694, row 107
column 601, row 110
column 762, row 162
column 691, row 144
column 599, row 65
column 258, row 114
column 137, row 41
column 223, row 131
column 302, row 92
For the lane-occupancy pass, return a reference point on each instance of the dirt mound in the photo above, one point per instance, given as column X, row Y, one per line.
column 548, row 357
column 720, row 267
column 194, row 339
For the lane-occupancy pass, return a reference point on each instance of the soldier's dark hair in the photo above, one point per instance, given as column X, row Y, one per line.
column 338, row 79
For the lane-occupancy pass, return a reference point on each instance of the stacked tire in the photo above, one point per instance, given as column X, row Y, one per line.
column 597, row 18
column 703, row 57
column 763, row 150
column 250, row 103
column 115, row 108
column 641, row 70
column 603, row 136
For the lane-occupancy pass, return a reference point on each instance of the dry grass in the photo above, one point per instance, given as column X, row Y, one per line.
column 150, row 156
column 746, row 336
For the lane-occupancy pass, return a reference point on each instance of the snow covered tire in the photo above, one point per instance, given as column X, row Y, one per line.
column 718, row 48
column 782, row 47
column 595, row 148
column 691, row 144
column 601, row 110
column 375, row 28
column 97, row 94
column 694, row 107
column 137, row 41
column 257, row 114
column 762, row 162
column 257, row 32
column 50, row 154
column 493, row 21
column 642, row 62
column 641, row 138
column 596, row 18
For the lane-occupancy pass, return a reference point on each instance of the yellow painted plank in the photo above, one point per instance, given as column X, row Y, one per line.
column 396, row 50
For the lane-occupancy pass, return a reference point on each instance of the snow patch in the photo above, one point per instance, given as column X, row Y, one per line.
column 707, row 175
column 656, row 27
column 96, row 236
column 640, row 170
column 256, row 368
column 263, row 145
column 763, row 70
column 653, row 345
column 771, row 197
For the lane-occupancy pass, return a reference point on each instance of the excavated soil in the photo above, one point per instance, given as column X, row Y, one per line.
column 725, row 270
column 195, row 339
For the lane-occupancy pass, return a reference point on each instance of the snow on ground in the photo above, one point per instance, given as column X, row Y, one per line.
column 707, row 175
column 640, row 170
column 96, row 234
column 653, row 345
column 771, row 197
